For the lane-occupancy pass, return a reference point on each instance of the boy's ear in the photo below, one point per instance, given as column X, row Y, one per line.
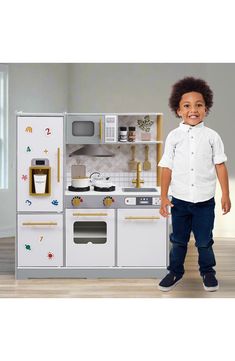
column 178, row 112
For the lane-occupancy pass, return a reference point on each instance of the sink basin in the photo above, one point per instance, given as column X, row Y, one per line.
column 139, row 190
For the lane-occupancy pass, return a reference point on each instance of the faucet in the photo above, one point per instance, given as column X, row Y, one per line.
column 138, row 179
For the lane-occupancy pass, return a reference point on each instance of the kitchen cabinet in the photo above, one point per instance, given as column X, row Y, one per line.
column 90, row 237
column 40, row 153
column 141, row 238
column 40, row 240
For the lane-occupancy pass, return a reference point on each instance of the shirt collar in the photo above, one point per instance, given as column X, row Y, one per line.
column 186, row 127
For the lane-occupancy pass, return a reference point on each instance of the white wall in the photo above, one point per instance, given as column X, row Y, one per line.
column 32, row 88
column 117, row 88
column 222, row 80
column 146, row 87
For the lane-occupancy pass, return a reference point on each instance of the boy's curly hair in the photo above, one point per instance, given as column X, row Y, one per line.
column 187, row 85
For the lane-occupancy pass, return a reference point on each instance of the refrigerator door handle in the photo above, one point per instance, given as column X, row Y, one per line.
column 39, row 224
column 58, row 165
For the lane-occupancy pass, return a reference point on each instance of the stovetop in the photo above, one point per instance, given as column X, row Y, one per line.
column 93, row 189
column 77, row 189
column 117, row 191
column 112, row 199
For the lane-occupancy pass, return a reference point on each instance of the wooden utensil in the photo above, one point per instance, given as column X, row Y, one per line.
column 147, row 164
column 132, row 164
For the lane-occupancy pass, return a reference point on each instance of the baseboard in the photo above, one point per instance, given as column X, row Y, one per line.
column 7, row 232
column 224, row 234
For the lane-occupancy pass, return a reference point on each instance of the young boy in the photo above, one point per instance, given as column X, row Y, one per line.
column 193, row 155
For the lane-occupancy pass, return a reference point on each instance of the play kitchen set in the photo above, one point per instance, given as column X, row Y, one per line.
column 88, row 196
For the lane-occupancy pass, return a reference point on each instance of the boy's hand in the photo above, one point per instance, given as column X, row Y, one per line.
column 226, row 204
column 164, row 204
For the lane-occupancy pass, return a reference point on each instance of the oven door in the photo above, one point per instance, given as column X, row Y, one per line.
column 84, row 129
column 90, row 237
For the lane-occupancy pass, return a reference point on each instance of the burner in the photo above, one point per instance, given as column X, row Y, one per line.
column 104, row 189
column 76, row 189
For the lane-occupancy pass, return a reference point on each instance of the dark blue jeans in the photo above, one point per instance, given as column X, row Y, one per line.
column 198, row 218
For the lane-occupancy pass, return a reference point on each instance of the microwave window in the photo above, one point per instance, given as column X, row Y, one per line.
column 82, row 128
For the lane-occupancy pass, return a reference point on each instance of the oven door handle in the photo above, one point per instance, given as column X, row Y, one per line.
column 89, row 214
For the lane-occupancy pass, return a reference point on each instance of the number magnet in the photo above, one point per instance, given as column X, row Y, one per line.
column 50, row 255
column 48, row 131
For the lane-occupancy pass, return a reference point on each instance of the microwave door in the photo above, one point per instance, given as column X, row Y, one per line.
column 85, row 129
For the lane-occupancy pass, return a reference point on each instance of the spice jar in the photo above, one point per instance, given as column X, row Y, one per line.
column 131, row 134
column 123, row 134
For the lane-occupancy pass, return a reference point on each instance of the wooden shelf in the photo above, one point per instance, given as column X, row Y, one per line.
column 140, row 142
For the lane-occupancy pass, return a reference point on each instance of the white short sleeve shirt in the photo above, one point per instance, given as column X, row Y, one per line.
column 191, row 153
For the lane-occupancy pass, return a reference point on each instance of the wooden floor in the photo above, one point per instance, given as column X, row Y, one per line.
column 190, row 287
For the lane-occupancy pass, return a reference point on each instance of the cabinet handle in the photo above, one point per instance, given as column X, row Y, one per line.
column 39, row 224
column 89, row 214
column 139, row 218
column 101, row 129
column 58, row 165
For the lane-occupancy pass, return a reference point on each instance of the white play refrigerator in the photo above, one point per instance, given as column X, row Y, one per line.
column 40, row 148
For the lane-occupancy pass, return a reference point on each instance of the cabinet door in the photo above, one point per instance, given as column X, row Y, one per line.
column 90, row 237
column 40, row 240
column 141, row 238
column 40, row 138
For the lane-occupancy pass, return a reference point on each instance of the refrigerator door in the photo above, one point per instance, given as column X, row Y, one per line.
column 40, row 159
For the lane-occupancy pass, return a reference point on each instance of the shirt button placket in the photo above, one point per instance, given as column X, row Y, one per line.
column 192, row 173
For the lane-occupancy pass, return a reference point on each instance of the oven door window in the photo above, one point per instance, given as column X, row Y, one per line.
column 82, row 128
column 90, row 231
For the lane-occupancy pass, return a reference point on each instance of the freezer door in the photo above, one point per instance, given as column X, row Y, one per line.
column 40, row 240
column 40, row 159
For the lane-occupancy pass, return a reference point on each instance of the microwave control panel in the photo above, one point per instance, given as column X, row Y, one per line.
column 110, row 134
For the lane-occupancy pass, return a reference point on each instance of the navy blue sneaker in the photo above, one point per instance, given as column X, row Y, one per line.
column 210, row 282
column 169, row 282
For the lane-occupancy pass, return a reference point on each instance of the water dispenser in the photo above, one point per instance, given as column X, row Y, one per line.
column 40, row 177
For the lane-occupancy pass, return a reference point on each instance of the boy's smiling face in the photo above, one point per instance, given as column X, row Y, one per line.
column 192, row 108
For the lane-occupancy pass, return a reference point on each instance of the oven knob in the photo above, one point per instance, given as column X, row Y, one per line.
column 108, row 201
column 76, row 201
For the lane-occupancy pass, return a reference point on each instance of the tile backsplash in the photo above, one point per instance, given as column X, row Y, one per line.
column 115, row 167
